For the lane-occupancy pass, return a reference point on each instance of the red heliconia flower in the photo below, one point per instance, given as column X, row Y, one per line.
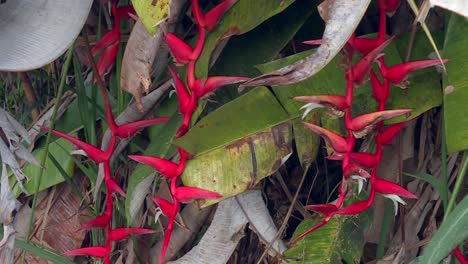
column 118, row 234
column 166, row 167
column 98, row 252
column 363, row 45
column 387, row 187
column 398, row 73
column 379, row 90
column 130, row 129
column 337, row 103
column 182, row 94
column 355, row 208
column 109, row 39
column 180, row 50
column 186, row 194
column 364, row 159
column 94, row 153
column 99, row 221
column 353, row 169
column 333, row 140
column 113, row 187
column 325, row 209
column 391, row 5
column 215, row 82
column 166, row 207
column 212, row 17
column 363, row 124
column 387, row 135
column 126, row 11
column 358, row 72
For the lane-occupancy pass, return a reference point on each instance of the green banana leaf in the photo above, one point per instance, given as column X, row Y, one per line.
column 151, row 13
column 456, row 84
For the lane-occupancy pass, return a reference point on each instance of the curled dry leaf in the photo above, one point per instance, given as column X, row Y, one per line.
column 343, row 18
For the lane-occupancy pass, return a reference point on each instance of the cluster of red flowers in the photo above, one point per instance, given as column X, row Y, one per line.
column 356, row 165
column 188, row 102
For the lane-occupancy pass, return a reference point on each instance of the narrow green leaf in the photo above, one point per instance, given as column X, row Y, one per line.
column 456, row 84
column 451, row 233
column 43, row 253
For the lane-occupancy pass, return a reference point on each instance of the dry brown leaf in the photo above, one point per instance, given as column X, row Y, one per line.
column 344, row 16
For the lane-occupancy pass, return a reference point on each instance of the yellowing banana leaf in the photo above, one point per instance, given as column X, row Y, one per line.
column 151, row 13
column 232, row 155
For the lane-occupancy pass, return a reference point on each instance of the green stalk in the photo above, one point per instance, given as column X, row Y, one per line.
column 444, row 179
column 458, row 184
column 48, row 140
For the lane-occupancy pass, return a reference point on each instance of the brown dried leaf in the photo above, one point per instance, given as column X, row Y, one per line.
column 344, row 16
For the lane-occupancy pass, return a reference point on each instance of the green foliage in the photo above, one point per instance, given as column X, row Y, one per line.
column 456, row 84
column 151, row 13
column 341, row 238
column 60, row 149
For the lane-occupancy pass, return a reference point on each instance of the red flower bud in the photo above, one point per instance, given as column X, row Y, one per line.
column 98, row 252
column 185, row 194
column 387, row 187
column 213, row 83
column 333, row 140
column 358, row 71
column 182, row 94
column 364, row 159
column 167, row 168
column 118, row 234
column 363, row 124
column 93, row 152
column 396, row 74
column 390, row 132
column 325, row 209
column 99, row 221
column 113, row 187
column 379, row 91
column 130, row 129
column 212, row 17
column 180, row 50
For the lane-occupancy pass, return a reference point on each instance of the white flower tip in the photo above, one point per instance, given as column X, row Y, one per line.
column 360, row 181
column 395, row 199
column 285, row 158
column 309, row 107
column 171, row 93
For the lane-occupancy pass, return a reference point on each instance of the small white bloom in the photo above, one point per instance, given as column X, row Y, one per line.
column 172, row 92
column 395, row 199
column 309, row 107
column 360, row 181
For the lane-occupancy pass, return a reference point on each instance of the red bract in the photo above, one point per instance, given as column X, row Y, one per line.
column 180, row 50
column 333, row 140
column 186, row 194
column 213, row 16
column 391, row 5
column 99, row 221
column 337, row 102
column 93, row 152
column 98, row 252
column 166, row 207
column 387, row 187
column 130, row 129
column 357, row 72
column 167, row 168
column 182, row 94
column 215, row 82
column 390, row 132
column 363, row 124
column 122, row 233
column 398, row 73
column 364, row 159
column 325, row 209
column 352, row 169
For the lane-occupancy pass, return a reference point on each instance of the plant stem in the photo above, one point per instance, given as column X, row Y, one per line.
column 458, row 184
column 48, row 140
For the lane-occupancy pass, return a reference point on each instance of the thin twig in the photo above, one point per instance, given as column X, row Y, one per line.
column 288, row 215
